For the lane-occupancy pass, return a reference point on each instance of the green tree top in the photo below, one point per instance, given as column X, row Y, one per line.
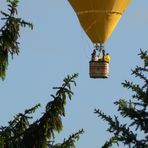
column 20, row 133
column 134, row 134
column 9, row 34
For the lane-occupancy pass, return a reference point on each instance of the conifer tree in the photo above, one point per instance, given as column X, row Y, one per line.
column 9, row 34
column 135, row 133
column 20, row 133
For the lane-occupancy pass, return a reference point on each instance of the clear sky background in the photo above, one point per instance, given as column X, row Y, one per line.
column 58, row 46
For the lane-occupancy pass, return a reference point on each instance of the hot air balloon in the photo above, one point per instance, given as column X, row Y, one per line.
column 99, row 18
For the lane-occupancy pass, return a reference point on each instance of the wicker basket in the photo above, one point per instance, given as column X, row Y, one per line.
column 98, row 69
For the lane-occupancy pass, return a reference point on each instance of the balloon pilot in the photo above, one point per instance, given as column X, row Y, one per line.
column 107, row 58
column 94, row 56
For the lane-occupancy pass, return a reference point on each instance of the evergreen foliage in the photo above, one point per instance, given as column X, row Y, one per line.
column 134, row 134
column 20, row 133
column 9, row 34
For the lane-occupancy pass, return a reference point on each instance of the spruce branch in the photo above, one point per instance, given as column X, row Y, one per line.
column 13, row 133
column 21, row 133
column 113, row 140
column 121, row 132
column 9, row 34
column 51, row 121
column 136, row 111
column 70, row 142
column 144, row 56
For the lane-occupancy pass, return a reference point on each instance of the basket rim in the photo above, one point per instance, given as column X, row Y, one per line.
column 98, row 62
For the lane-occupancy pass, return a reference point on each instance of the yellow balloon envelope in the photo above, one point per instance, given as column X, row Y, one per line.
column 99, row 17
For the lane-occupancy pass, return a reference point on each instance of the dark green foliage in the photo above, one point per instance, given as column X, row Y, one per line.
column 9, row 34
column 20, row 133
column 69, row 143
column 134, row 134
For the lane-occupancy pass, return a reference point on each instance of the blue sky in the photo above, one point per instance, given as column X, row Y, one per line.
column 58, row 46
